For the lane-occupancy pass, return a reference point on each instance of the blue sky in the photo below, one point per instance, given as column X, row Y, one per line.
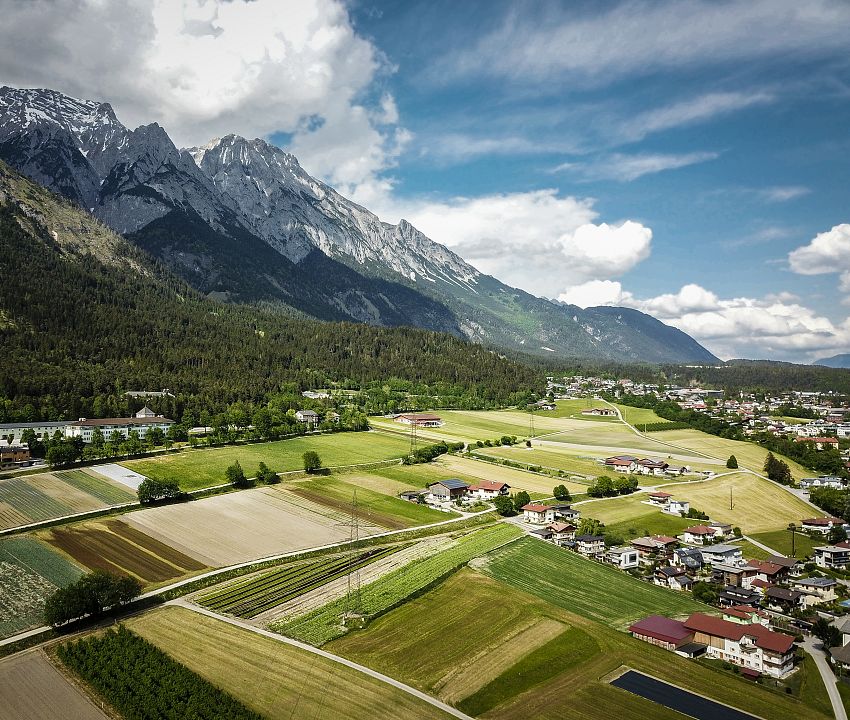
column 688, row 158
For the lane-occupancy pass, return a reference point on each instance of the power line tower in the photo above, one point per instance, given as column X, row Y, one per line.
column 353, row 600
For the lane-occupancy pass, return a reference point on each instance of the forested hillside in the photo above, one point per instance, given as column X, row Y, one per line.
column 85, row 315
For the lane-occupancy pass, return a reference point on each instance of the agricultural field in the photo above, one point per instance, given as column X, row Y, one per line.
column 116, row 547
column 271, row 677
column 574, row 583
column 46, row 496
column 246, row 525
column 260, row 593
column 29, row 573
column 652, row 522
column 323, row 625
column 639, row 416
column 388, row 511
column 200, row 468
column 780, row 540
column 502, row 653
column 31, row 688
column 573, row 408
column 758, row 505
column 749, row 455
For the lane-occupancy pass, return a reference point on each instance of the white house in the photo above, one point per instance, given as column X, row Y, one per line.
column 623, row 557
column 590, row 545
column 659, row 498
column 538, row 514
column 823, row 481
column 84, row 428
column 833, row 557
column 311, row 417
column 488, row 489
column 622, row 463
column 698, row 534
column 420, row 419
column 821, row 525
column 818, row 590
column 677, row 507
column 722, row 554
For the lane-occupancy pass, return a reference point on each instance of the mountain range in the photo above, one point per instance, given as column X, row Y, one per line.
column 835, row 361
column 243, row 222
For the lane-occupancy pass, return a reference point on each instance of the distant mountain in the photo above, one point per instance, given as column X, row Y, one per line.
column 836, row 361
column 242, row 221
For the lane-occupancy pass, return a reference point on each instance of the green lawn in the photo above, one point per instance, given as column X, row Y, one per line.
column 639, row 416
column 379, row 508
column 593, row 590
column 652, row 522
column 780, row 540
column 195, row 469
column 547, row 456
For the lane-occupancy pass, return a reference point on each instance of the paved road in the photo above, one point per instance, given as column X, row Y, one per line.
column 454, row 712
column 760, row 545
column 828, row 678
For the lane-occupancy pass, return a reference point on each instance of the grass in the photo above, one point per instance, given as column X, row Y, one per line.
column 811, row 690
column 196, row 469
column 593, row 590
column 323, row 625
column 473, row 471
column 652, row 522
column 758, row 505
column 550, row 457
column 29, row 573
column 269, row 677
column 106, row 492
column 780, row 540
column 752, row 552
column 749, row 455
column 374, row 507
column 510, row 642
column 639, row 416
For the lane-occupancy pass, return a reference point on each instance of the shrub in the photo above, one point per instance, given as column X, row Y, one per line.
column 312, row 461
column 151, row 490
column 732, row 463
column 504, row 506
column 266, row 475
column 236, row 476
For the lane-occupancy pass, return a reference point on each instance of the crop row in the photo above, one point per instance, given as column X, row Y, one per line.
column 323, row 625
column 97, row 488
column 30, row 501
column 249, row 599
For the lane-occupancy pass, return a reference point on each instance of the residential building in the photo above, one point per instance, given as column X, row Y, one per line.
column 793, row 565
column 820, row 442
column 590, row 545
column 728, row 554
column 488, row 489
column 14, row 456
column 623, row 557
column 663, row 632
column 732, row 595
column 824, row 481
column 674, row 578
column 736, row 575
column 538, row 514
column 562, row 532
column 769, row 571
column 600, row 412
column 817, row 590
column 652, row 467
column 746, row 614
column 447, row 490
column 821, row 525
column 622, row 463
column 677, row 507
column 420, row 419
column 565, row 512
column 698, row 534
column 659, row 498
column 311, row 417
column 750, row 646
column 784, row 600
column 833, row 557
column 721, row 530
column 84, row 428
column 690, row 558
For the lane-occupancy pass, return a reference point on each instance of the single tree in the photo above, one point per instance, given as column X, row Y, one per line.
column 236, row 476
column 266, row 475
column 504, row 505
column 705, row 593
column 561, row 493
column 837, row 534
column 521, row 499
column 152, row 490
column 732, row 463
column 827, row 633
column 312, row 461
column 590, row 526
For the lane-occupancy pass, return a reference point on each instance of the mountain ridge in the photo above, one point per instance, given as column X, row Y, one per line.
column 202, row 211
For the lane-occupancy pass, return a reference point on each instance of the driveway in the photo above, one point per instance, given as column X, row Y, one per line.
column 813, row 646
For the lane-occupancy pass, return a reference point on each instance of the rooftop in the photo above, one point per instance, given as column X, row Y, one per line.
column 451, row 484
column 662, row 628
column 764, row 638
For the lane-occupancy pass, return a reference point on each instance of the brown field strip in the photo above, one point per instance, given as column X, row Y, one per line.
column 10, row 517
column 372, row 516
column 31, row 688
column 99, row 548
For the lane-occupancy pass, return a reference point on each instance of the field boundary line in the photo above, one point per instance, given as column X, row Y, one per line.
column 328, row 656
column 493, row 460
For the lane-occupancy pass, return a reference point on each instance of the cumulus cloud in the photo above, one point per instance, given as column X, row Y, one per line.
column 537, row 241
column 829, row 252
column 625, row 168
column 203, row 68
column 776, row 326
column 641, row 37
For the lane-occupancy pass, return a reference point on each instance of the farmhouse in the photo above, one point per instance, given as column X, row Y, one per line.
column 652, row 467
column 420, row 419
column 663, row 632
column 624, row 557
column 833, row 557
column 488, row 489
column 821, row 525
column 311, row 417
column 447, row 490
column 750, row 646
column 622, row 463
column 538, row 514
column 84, row 428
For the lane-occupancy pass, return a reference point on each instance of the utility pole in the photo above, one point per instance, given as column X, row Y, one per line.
column 531, row 422
column 793, row 529
column 413, row 439
column 353, row 593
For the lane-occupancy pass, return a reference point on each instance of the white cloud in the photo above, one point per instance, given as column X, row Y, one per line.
column 641, row 37
column 782, row 193
column 536, row 240
column 776, row 326
column 625, row 168
column 203, row 68
column 692, row 110
column 829, row 252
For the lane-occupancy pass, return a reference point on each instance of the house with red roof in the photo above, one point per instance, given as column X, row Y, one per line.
column 622, row 463
column 746, row 614
column 698, row 534
column 488, row 490
column 659, row 498
column 821, row 525
column 538, row 514
column 751, row 646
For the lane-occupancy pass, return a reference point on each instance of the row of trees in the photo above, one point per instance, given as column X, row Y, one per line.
column 427, row 453
column 91, row 595
column 605, row 486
